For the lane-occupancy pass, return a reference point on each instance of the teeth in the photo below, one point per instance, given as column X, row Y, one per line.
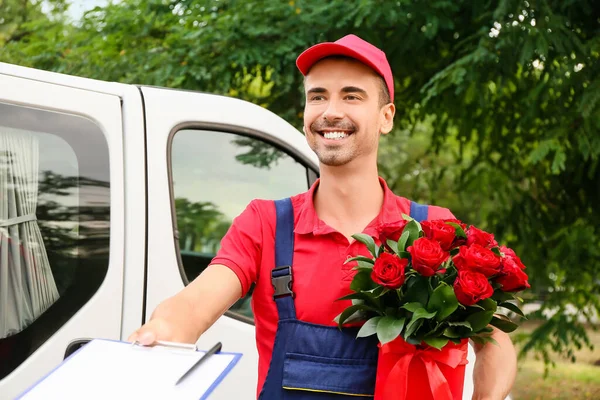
column 335, row 135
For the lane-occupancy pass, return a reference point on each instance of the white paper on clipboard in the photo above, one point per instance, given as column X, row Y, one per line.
column 106, row 369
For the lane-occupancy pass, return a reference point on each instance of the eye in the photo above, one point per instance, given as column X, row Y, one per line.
column 317, row 97
column 352, row 97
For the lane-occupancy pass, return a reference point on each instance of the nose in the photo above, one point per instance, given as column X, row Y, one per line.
column 333, row 111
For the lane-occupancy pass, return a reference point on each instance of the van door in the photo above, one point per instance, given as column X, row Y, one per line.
column 209, row 156
column 61, row 224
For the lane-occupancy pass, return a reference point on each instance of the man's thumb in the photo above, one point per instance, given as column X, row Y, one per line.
column 146, row 338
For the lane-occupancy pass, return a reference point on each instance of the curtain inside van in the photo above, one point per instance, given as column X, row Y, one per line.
column 27, row 286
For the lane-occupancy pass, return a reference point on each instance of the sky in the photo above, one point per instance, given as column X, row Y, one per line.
column 78, row 7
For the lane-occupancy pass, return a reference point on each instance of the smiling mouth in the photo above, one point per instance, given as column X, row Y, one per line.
column 335, row 135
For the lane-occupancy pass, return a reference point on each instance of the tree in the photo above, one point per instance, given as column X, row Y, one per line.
column 498, row 105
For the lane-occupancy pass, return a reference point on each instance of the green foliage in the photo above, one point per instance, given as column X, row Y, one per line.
column 443, row 301
column 394, row 299
column 498, row 104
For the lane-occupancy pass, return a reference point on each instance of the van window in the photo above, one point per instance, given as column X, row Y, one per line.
column 214, row 176
column 54, row 224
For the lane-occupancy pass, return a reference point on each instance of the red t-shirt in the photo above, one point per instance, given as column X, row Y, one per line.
column 320, row 275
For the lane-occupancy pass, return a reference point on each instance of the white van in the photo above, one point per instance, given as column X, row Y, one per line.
column 112, row 198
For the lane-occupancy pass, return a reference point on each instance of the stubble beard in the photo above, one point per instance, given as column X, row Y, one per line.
column 332, row 155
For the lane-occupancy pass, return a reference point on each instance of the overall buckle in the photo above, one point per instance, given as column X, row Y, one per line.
column 281, row 278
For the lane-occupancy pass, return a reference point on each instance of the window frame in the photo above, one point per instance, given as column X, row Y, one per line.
column 311, row 177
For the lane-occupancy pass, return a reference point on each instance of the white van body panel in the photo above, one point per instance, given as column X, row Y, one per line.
column 101, row 315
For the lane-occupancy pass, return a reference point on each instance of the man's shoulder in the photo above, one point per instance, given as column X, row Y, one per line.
column 265, row 208
column 433, row 211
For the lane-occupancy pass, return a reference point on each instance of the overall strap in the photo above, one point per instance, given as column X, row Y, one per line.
column 418, row 211
column 281, row 275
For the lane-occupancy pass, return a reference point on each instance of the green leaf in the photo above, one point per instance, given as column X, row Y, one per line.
column 483, row 339
column 412, row 307
column 501, row 296
column 452, row 332
column 488, row 304
column 505, row 325
column 512, row 307
column 369, row 328
column 368, row 241
column 402, row 241
column 412, row 327
column 463, row 324
column 476, row 306
column 360, row 258
column 478, row 339
column 403, row 254
column 443, row 300
column 413, row 229
column 418, row 291
column 363, row 265
column 423, row 313
column 389, row 328
column 436, row 342
column 458, row 229
column 368, row 297
column 393, row 245
column 362, row 281
column 356, row 311
column 480, row 320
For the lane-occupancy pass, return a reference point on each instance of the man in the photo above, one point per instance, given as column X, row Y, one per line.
column 349, row 104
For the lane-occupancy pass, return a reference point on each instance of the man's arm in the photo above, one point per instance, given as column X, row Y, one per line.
column 495, row 368
column 186, row 315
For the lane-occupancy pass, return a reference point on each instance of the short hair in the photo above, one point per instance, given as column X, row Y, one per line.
column 384, row 93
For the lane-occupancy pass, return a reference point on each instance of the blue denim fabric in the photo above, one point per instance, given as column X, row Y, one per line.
column 310, row 361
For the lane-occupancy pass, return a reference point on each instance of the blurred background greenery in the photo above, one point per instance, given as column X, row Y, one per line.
column 498, row 118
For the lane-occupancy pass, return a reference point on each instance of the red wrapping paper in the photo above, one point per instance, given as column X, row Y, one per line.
column 408, row 372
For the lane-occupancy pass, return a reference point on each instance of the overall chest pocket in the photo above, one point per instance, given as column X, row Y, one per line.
column 307, row 377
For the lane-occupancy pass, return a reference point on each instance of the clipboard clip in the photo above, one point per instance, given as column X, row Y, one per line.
column 174, row 345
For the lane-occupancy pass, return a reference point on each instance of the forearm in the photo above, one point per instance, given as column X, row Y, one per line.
column 210, row 295
column 495, row 368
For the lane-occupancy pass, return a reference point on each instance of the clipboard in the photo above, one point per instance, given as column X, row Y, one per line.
column 111, row 369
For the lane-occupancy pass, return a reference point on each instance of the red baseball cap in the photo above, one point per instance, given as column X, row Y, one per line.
column 350, row 46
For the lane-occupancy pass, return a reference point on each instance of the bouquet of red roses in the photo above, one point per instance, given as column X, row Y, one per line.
column 426, row 289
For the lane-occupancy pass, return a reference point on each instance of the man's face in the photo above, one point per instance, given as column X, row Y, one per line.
column 343, row 117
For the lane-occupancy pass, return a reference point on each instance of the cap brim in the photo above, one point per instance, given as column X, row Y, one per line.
column 310, row 56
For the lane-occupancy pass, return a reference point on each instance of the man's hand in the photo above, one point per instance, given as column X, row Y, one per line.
column 185, row 316
column 495, row 368
column 169, row 322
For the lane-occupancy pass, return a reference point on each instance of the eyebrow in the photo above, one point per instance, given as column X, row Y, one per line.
column 316, row 90
column 354, row 89
column 345, row 89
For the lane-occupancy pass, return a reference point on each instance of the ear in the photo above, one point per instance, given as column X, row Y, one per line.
column 386, row 118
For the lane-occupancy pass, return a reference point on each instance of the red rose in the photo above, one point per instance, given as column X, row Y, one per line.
column 440, row 231
column 471, row 287
column 512, row 277
column 388, row 270
column 479, row 259
column 427, row 256
column 482, row 238
column 391, row 231
column 510, row 253
column 458, row 241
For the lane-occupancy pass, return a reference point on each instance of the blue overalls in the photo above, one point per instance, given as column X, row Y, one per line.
column 310, row 361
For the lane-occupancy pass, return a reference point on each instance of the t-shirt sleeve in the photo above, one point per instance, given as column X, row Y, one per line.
column 436, row 212
column 241, row 247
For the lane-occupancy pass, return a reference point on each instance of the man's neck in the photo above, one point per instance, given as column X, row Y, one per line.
column 348, row 199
